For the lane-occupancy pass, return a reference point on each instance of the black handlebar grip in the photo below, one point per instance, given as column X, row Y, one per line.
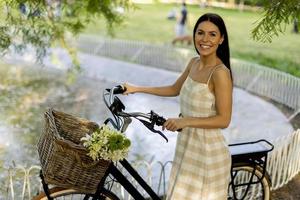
column 160, row 121
column 119, row 89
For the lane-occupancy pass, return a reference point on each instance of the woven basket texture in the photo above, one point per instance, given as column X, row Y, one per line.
column 63, row 158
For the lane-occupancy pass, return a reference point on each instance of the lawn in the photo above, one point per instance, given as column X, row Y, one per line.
column 148, row 23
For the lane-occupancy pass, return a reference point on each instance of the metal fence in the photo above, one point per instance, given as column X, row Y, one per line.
column 284, row 162
column 24, row 182
column 160, row 56
column 276, row 85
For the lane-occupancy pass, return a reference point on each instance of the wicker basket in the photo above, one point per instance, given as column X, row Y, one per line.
column 64, row 160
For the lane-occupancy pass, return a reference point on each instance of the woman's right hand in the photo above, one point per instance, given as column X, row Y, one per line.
column 130, row 89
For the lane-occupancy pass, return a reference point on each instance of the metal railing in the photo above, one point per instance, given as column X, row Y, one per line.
column 160, row 56
column 24, row 182
column 284, row 162
column 276, row 85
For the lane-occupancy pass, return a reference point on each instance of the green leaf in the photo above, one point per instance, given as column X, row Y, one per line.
column 42, row 24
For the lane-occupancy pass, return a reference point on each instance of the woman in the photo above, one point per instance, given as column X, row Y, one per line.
column 201, row 166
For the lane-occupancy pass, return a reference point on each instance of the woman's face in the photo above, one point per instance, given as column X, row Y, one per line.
column 207, row 38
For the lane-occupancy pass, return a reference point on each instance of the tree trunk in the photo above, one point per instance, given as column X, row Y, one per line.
column 296, row 26
column 241, row 5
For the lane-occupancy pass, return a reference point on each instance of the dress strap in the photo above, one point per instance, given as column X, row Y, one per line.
column 212, row 71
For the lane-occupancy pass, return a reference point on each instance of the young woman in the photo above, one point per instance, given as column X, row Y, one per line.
column 201, row 166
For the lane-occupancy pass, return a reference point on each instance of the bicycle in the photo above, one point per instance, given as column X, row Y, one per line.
column 251, row 162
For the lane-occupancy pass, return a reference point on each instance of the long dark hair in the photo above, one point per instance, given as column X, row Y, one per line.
column 223, row 50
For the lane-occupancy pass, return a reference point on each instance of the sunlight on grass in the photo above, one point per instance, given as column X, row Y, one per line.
column 149, row 24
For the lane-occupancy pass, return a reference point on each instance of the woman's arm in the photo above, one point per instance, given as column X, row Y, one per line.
column 223, row 95
column 170, row 90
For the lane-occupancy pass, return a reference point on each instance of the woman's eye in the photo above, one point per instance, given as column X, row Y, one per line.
column 200, row 33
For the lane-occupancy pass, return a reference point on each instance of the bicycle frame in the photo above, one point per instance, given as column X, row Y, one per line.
column 253, row 157
column 256, row 158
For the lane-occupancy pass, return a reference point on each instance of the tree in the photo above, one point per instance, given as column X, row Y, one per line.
column 42, row 24
column 277, row 14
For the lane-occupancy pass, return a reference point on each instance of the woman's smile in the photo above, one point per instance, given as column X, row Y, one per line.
column 205, row 46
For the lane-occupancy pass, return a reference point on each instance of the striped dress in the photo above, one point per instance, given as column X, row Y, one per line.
column 201, row 167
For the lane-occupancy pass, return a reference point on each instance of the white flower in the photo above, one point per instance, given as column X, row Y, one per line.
column 85, row 139
column 106, row 143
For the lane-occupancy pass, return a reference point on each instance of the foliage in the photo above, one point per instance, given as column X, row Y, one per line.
column 107, row 143
column 277, row 14
column 45, row 23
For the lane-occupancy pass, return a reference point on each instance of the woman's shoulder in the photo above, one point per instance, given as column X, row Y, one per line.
column 221, row 67
column 221, row 71
column 195, row 58
column 193, row 61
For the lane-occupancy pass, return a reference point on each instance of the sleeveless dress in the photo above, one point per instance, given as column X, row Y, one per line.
column 201, row 167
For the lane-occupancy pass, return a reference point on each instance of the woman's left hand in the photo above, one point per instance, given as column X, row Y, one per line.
column 173, row 124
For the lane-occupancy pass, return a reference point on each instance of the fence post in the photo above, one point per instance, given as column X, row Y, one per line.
column 294, row 115
column 136, row 55
column 254, row 80
column 98, row 47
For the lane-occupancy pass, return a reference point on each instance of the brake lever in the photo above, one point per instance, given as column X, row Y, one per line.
column 151, row 128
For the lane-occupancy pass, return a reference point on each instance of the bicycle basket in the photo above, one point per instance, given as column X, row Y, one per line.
column 63, row 158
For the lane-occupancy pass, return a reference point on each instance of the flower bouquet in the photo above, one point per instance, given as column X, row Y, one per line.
column 106, row 143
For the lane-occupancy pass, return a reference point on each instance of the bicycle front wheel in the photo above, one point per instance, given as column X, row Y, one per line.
column 58, row 193
column 243, row 191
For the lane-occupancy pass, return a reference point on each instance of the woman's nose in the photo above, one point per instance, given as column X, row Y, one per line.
column 205, row 37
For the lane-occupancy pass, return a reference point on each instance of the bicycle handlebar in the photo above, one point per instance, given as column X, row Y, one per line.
column 115, row 105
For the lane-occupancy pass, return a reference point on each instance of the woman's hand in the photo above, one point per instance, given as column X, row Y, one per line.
column 174, row 124
column 130, row 89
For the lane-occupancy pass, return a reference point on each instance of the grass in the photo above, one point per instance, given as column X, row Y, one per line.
column 148, row 23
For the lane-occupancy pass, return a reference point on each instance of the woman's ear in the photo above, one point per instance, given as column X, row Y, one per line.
column 221, row 40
